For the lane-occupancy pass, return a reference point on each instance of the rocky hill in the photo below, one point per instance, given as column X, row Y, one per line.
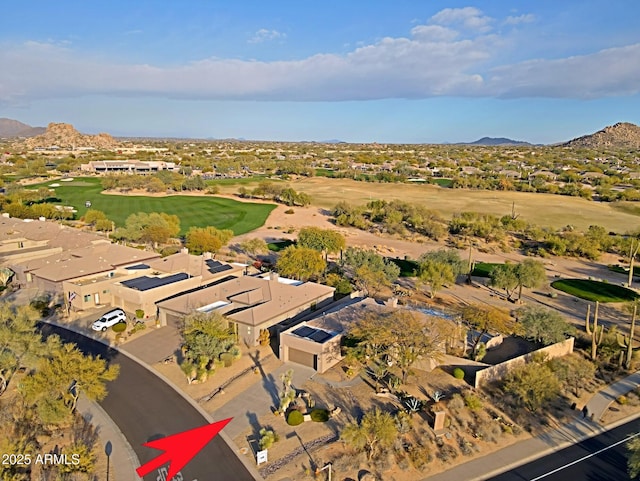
column 622, row 135
column 64, row 136
column 497, row 141
column 10, row 128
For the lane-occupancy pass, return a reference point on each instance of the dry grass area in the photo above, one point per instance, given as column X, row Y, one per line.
column 541, row 209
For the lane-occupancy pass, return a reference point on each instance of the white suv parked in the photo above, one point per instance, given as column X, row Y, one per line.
column 109, row 319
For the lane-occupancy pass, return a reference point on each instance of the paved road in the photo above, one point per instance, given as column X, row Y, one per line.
column 591, row 460
column 145, row 408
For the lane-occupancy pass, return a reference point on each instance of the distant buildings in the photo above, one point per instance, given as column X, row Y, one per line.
column 126, row 166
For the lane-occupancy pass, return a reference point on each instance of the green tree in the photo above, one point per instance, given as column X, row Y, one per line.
column 93, row 216
column 377, row 430
column 486, row 319
column 435, row 274
column 153, row 227
column 543, row 325
column 369, row 270
column 533, row 384
column 207, row 239
column 504, row 277
column 206, row 336
column 328, row 241
column 59, row 379
column 20, row 344
column 254, row 246
column 397, row 336
column 528, row 273
column 300, row 263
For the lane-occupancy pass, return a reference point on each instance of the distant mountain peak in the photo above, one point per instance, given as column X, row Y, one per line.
column 497, row 141
column 10, row 128
column 622, row 135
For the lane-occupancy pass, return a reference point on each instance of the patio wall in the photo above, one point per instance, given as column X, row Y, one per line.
column 499, row 371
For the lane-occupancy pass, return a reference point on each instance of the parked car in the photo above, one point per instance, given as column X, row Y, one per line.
column 109, row 319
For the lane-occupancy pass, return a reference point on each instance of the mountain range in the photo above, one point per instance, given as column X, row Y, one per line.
column 623, row 135
column 10, row 128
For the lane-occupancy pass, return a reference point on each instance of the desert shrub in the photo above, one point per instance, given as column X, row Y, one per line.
column 464, row 445
column 139, row 326
column 320, row 415
column 622, row 400
column 120, row 327
column 419, row 455
column 267, row 438
column 139, row 313
column 447, row 453
column 294, row 418
column 472, row 401
column 458, row 373
column 226, row 358
column 489, row 431
column 289, row 211
column 456, row 402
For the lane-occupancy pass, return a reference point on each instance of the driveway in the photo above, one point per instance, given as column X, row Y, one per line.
column 259, row 399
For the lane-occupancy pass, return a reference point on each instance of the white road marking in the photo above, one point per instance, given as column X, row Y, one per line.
column 586, row 457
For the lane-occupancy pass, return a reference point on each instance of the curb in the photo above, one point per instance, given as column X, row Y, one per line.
column 551, row 449
column 251, row 469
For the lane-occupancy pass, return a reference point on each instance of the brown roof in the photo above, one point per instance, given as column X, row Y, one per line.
column 253, row 299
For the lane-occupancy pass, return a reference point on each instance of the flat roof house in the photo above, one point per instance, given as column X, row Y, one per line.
column 252, row 303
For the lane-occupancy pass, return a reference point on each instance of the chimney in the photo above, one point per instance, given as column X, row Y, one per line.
column 6, row 215
column 184, row 250
column 206, row 255
column 273, row 276
column 41, row 219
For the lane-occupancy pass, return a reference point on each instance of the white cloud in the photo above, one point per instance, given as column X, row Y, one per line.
column 516, row 20
column 434, row 60
column 609, row 72
column 469, row 17
column 264, row 35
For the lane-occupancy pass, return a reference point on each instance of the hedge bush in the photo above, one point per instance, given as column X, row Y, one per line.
column 120, row 327
column 294, row 418
column 320, row 415
column 458, row 373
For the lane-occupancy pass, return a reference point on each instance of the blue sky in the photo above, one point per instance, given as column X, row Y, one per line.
column 386, row 71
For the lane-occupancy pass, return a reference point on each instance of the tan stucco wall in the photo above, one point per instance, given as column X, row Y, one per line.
column 499, row 371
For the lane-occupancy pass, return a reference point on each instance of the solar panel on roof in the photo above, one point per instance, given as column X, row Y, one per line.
column 304, row 331
column 215, row 266
column 137, row 266
column 145, row 283
column 320, row 336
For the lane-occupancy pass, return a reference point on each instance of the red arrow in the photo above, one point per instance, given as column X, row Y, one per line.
column 180, row 448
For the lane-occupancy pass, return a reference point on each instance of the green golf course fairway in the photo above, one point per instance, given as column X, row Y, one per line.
column 193, row 211
column 595, row 290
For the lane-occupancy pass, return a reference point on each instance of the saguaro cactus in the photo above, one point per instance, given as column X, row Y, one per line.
column 596, row 332
column 626, row 342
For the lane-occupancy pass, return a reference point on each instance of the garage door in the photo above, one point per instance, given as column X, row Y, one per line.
column 301, row 357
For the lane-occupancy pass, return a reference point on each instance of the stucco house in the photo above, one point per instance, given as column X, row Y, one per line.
column 251, row 303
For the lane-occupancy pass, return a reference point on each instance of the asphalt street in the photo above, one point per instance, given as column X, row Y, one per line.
column 601, row 458
column 145, row 408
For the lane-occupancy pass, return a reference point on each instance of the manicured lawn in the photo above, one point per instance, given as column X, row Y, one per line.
column 198, row 211
column 483, row 269
column 278, row 246
column 595, row 290
column 407, row 268
column 443, row 182
column 625, row 270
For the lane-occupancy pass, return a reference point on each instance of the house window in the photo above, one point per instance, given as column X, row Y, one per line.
column 87, row 298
